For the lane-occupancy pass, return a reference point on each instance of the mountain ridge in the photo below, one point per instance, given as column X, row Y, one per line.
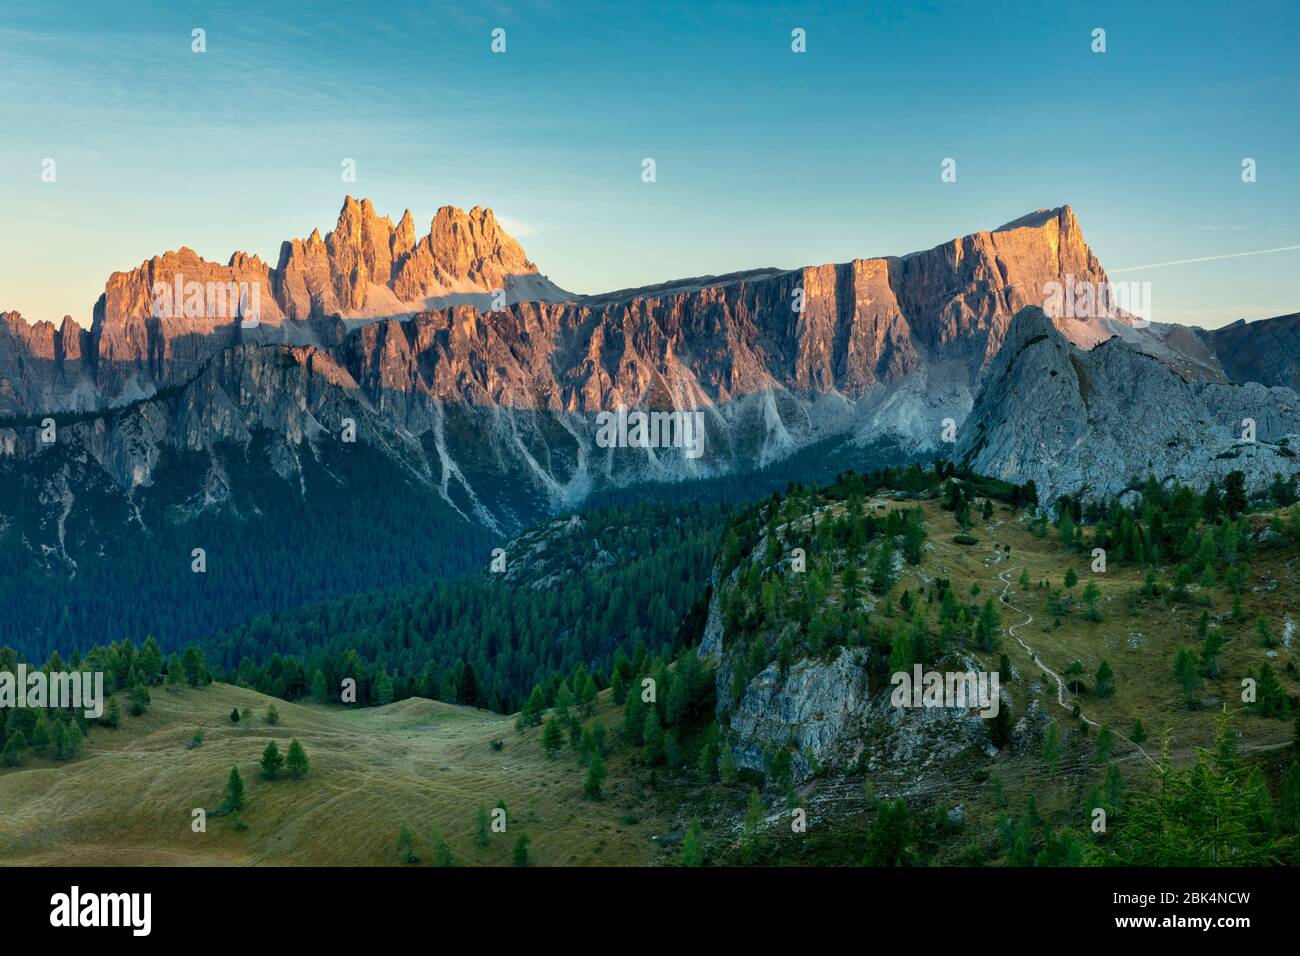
column 493, row 410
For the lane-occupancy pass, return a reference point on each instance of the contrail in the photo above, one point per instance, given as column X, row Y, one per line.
column 1183, row 262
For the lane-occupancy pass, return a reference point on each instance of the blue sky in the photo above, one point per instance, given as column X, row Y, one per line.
column 764, row 157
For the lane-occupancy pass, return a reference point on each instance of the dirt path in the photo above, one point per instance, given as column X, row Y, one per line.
column 1061, row 699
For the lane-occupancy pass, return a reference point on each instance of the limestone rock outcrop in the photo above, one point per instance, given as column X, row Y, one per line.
column 1099, row 422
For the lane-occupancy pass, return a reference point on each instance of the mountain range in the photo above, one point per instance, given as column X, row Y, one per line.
column 453, row 361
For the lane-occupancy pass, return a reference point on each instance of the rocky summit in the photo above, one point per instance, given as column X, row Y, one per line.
column 1098, row 422
column 452, row 356
column 143, row 337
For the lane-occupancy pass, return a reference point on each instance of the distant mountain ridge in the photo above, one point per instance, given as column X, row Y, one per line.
column 365, row 268
column 862, row 323
column 488, row 403
column 1266, row 351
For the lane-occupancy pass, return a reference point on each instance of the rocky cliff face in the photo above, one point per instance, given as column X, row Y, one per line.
column 844, row 329
column 828, row 709
column 1267, row 351
column 43, row 366
column 1099, row 421
column 142, row 340
column 493, row 401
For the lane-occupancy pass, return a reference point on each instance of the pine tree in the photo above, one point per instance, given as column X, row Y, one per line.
column 1234, row 494
column 1052, row 748
column 596, row 774
column 234, row 715
column 72, row 740
column 753, row 823
column 196, row 670
column 589, row 694
column 441, row 851
column 693, row 846
column 890, row 838
column 1187, row 670
column 139, row 698
column 1210, row 654
column 1091, row 595
column 988, row 627
column 175, row 671
column 318, row 692
column 296, row 762
column 41, row 736
column 727, row 766
column 519, row 855
column 13, row 752
column 617, row 687
column 1105, row 744
column 272, row 715
column 1289, row 811
column 481, row 832
column 1112, row 785
column 914, row 536
column 150, row 661
column 406, row 845
column 113, row 717
column 652, row 736
column 383, row 689
column 900, row 655
column 882, row 570
column 552, row 737
column 1105, row 680
column 633, row 718
column 534, row 708
column 57, row 733
column 272, row 761
column 1208, row 814
column 1073, row 674
column 234, row 791
column 467, row 687
column 1271, row 698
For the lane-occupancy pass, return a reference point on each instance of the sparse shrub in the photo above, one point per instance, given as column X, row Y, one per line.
column 520, row 854
column 406, row 845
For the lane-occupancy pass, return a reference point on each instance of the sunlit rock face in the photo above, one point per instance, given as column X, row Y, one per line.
column 453, row 356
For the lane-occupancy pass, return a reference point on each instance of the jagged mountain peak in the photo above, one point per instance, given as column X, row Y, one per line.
column 1063, row 215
